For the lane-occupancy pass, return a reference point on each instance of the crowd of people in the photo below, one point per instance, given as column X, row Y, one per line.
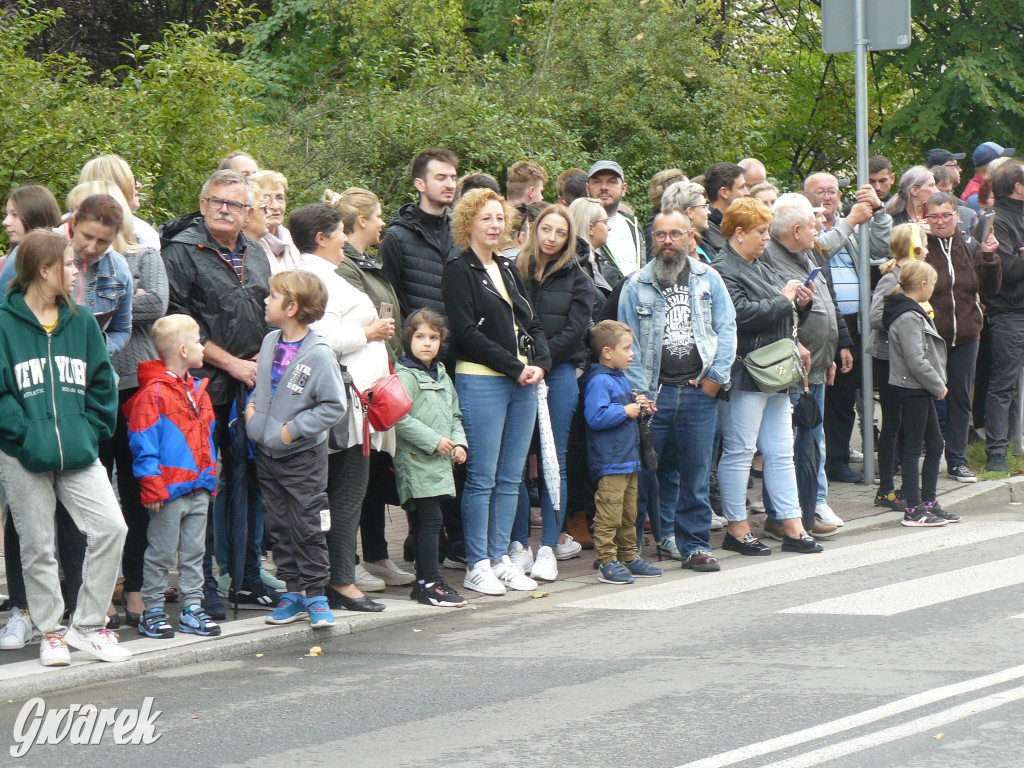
column 215, row 369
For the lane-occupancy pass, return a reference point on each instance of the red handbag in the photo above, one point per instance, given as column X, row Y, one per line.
column 384, row 405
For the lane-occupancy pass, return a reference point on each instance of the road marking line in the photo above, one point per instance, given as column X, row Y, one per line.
column 672, row 594
column 858, row 720
column 902, row 731
column 920, row 593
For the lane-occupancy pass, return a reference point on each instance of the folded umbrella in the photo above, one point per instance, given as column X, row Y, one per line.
column 806, row 456
column 548, row 453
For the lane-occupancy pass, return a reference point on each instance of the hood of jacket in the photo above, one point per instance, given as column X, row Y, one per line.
column 897, row 304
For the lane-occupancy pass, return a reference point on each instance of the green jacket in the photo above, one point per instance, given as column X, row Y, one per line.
column 367, row 275
column 57, row 393
column 421, row 472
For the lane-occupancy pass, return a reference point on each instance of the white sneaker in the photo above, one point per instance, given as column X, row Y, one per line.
column 18, row 632
column 367, row 582
column 481, row 578
column 856, row 455
column 99, row 643
column 521, row 557
column 827, row 515
column 567, row 550
column 390, row 573
column 718, row 522
column 512, row 577
column 53, row 652
column 545, row 567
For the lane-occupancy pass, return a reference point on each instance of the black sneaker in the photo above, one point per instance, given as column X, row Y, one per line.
column 920, row 517
column 438, row 594
column 997, row 463
column 262, row 598
column 890, row 500
column 962, row 474
column 213, row 604
column 804, row 545
column 936, row 509
column 455, row 561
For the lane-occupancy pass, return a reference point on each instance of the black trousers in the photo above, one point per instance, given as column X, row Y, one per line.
column 920, row 429
column 580, row 486
column 116, row 453
column 427, row 514
column 839, row 415
column 888, row 437
column 294, row 491
column 960, row 367
column 1007, row 359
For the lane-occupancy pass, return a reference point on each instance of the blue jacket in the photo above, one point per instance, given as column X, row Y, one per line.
column 712, row 315
column 108, row 293
column 613, row 439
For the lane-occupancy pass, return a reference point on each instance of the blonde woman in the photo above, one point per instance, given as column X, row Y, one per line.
column 116, row 169
column 277, row 242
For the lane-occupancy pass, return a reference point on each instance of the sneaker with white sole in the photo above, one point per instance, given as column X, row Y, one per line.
column 962, row 474
column 481, row 578
column 568, row 549
column 53, row 652
column 99, row 643
column 455, row 562
column 521, row 557
column 18, row 632
column 827, row 515
column 718, row 522
column 367, row 582
column 856, row 455
column 545, row 567
column 512, row 577
column 390, row 573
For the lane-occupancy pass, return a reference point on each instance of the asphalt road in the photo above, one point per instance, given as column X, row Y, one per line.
column 896, row 647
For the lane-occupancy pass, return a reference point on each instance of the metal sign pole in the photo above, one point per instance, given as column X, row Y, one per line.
column 860, row 52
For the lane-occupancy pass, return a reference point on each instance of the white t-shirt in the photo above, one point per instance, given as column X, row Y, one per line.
column 622, row 245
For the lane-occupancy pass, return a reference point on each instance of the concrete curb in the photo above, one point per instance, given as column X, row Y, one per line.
column 25, row 679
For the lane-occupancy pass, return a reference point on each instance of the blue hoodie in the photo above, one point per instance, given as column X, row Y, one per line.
column 613, row 439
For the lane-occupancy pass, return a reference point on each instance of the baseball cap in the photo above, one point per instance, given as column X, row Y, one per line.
column 988, row 151
column 942, row 156
column 605, row 165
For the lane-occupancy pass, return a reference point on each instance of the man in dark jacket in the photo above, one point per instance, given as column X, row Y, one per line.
column 1006, row 310
column 723, row 183
column 219, row 277
column 419, row 241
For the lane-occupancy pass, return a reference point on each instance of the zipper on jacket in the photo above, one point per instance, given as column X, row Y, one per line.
column 952, row 281
column 53, row 396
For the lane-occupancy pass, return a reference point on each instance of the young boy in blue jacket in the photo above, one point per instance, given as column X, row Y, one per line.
column 613, row 453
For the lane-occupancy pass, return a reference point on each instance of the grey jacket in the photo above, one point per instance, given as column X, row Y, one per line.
column 310, row 398
column 878, row 344
column 917, row 353
column 880, row 227
column 819, row 326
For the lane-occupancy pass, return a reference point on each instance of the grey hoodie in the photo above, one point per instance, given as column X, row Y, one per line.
column 310, row 398
column 917, row 354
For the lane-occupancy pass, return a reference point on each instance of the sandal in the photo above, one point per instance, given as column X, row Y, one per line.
column 171, row 595
column 113, row 619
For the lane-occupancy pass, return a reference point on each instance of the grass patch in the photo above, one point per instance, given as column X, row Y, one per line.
column 977, row 459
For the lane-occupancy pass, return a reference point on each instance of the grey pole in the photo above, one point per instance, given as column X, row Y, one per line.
column 860, row 53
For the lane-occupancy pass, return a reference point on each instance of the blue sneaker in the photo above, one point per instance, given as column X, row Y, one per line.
column 292, row 607
column 153, row 623
column 614, row 573
column 642, row 569
column 320, row 614
column 195, row 621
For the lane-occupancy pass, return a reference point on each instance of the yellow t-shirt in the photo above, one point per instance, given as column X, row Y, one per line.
column 51, row 328
column 476, row 369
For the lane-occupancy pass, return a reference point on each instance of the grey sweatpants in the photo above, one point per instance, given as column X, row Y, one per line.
column 87, row 495
column 179, row 528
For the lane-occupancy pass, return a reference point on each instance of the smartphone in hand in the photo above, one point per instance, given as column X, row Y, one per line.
column 386, row 310
column 811, row 277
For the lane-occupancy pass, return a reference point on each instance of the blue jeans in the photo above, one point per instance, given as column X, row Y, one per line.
column 753, row 420
column 563, row 395
column 498, row 415
column 684, row 427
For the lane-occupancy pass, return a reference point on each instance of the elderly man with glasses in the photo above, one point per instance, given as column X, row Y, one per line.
column 219, row 277
column 684, row 339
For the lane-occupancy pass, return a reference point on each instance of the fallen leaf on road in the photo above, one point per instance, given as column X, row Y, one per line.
column 259, row 655
column 417, row 630
column 316, row 650
column 938, row 736
column 195, row 717
column 539, row 594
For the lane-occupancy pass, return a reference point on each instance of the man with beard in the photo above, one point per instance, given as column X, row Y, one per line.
column 625, row 246
column 684, row 339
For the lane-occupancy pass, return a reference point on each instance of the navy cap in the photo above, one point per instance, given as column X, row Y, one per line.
column 988, row 151
column 942, row 156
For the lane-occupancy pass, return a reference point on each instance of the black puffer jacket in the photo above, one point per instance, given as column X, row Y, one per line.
column 763, row 315
column 229, row 310
column 563, row 303
column 1009, row 231
column 712, row 238
column 414, row 251
column 482, row 323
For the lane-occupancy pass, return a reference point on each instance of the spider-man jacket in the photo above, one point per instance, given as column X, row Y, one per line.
column 171, row 435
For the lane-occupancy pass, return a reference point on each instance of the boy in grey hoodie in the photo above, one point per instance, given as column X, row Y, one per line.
column 299, row 395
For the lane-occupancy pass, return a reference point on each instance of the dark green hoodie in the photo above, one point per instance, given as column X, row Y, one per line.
column 57, row 393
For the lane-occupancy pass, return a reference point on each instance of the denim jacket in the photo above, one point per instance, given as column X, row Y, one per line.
column 106, row 289
column 712, row 314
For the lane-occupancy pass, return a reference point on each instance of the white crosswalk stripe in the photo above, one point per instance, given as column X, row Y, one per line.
column 785, row 570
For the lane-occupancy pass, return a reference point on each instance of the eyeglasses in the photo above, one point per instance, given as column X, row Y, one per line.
column 943, row 217
column 705, row 206
column 675, row 234
column 599, row 221
column 232, row 205
column 827, row 192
